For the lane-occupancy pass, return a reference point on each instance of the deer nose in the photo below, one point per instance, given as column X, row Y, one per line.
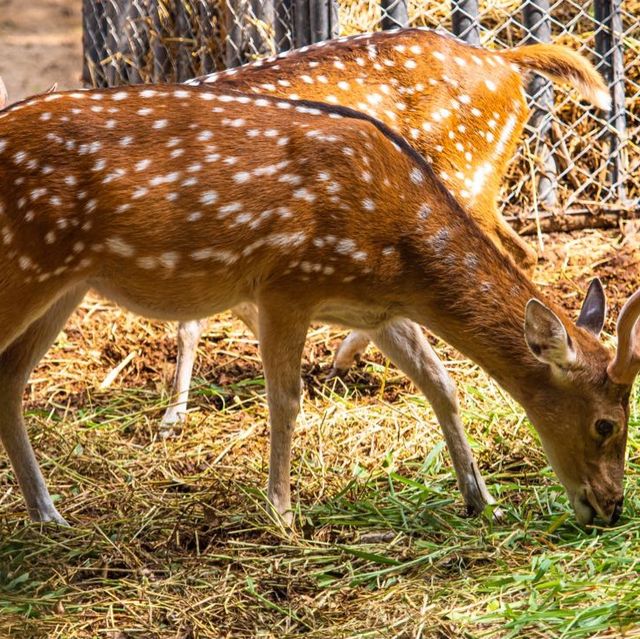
column 617, row 511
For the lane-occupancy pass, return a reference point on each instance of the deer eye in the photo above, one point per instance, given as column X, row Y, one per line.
column 604, row 427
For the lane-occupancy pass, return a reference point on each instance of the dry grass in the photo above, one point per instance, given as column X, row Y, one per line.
column 171, row 539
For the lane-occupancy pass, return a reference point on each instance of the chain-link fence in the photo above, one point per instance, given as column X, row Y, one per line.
column 576, row 166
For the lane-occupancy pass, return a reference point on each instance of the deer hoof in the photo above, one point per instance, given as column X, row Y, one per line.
column 50, row 516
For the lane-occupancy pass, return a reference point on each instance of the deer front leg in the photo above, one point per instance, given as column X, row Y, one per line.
column 349, row 351
column 16, row 364
column 282, row 336
column 248, row 313
column 188, row 337
column 405, row 344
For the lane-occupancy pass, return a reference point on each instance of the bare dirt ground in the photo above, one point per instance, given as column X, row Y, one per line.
column 40, row 43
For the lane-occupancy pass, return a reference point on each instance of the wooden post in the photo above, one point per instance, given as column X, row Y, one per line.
column 394, row 14
column 113, row 69
column 184, row 45
column 208, row 42
column 609, row 47
column 324, row 20
column 538, row 24
column 162, row 71
column 301, row 23
column 259, row 33
column 135, row 43
column 464, row 20
column 236, row 11
column 334, row 18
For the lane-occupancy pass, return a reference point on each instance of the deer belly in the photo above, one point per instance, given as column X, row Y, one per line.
column 170, row 299
column 352, row 314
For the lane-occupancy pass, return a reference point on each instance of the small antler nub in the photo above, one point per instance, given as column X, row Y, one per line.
column 4, row 96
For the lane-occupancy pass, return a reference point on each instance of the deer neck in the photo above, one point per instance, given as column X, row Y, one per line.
column 475, row 301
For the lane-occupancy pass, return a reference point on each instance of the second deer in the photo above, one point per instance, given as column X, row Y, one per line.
column 461, row 107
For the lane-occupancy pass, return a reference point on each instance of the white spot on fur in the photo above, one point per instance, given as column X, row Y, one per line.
column 209, row 197
column 118, row 246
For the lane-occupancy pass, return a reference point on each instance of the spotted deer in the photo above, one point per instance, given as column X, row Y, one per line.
column 327, row 215
column 461, row 107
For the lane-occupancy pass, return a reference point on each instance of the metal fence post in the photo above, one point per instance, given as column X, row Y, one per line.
column 93, row 42
column 464, row 20
column 538, row 24
column 610, row 51
column 394, row 14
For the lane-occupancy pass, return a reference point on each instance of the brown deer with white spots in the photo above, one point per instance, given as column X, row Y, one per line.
column 461, row 107
column 326, row 215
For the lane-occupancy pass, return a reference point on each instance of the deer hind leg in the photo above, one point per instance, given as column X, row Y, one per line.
column 16, row 364
column 189, row 334
column 404, row 343
column 350, row 350
column 282, row 337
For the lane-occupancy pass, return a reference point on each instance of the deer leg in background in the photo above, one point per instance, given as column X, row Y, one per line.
column 16, row 364
column 282, row 337
column 349, row 351
column 189, row 334
column 405, row 344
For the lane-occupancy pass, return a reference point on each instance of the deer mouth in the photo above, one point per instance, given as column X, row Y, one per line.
column 585, row 512
column 588, row 507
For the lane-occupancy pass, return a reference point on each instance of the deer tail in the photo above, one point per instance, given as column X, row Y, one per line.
column 560, row 63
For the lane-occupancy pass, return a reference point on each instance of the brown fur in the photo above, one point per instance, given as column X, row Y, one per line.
column 367, row 235
column 433, row 84
column 460, row 106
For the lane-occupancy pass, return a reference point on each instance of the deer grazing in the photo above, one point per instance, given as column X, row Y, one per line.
column 461, row 107
column 324, row 214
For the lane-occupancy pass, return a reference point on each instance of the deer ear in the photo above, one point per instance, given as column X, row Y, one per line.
column 546, row 335
column 594, row 308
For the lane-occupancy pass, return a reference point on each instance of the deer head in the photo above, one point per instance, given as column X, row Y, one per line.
column 581, row 413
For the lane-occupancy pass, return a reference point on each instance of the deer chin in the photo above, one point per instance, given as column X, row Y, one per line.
column 585, row 512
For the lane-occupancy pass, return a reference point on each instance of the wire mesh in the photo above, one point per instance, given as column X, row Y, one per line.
column 575, row 164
